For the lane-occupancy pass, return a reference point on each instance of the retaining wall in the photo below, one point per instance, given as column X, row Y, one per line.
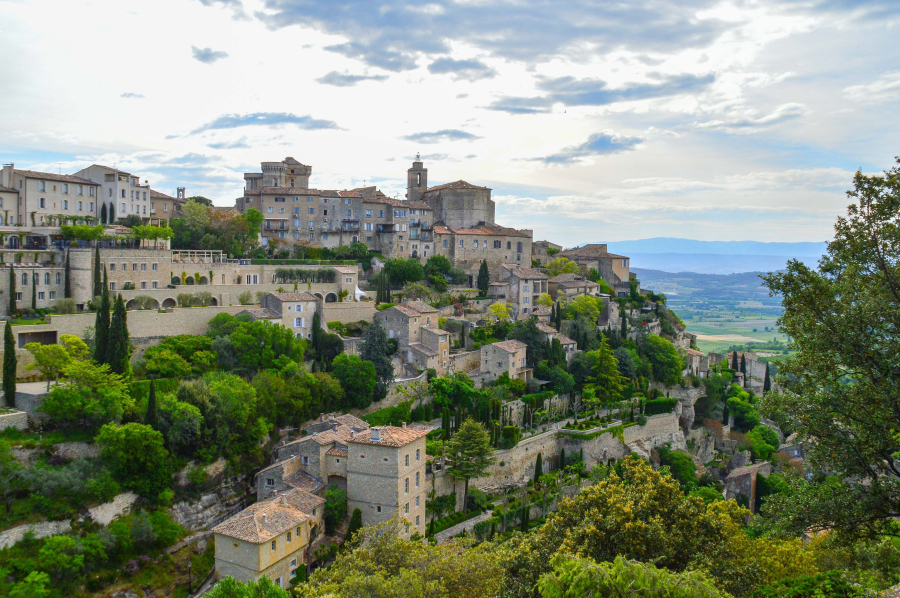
column 348, row 311
column 16, row 419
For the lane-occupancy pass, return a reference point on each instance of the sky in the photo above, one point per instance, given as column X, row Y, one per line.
column 591, row 121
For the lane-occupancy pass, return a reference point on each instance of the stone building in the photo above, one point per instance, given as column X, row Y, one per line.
column 270, row 538
column 295, row 311
column 544, row 252
column 570, row 285
column 614, row 269
column 505, row 356
column 123, row 194
column 741, row 482
column 386, row 474
column 421, row 345
column 548, row 333
column 520, row 288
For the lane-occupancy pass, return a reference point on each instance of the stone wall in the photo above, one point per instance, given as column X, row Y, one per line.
column 16, row 419
column 465, row 362
column 394, row 394
column 29, row 403
column 348, row 311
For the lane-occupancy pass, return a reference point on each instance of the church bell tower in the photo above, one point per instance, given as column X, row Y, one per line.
column 416, row 180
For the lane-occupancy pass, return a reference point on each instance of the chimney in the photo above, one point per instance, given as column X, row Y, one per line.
column 7, row 175
column 404, row 425
column 264, row 518
column 376, row 434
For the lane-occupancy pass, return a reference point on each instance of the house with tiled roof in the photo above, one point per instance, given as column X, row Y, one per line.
column 269, row 538
column 386, row 474
column 742, row 481
column 613, row 268
column 505, row 356
column 549, row 333
column 520, row 287
column 421, row 344
column 544, row 252
column 295, row 310
column 571, row 285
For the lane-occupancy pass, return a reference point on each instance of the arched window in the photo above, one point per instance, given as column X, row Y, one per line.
column 46, row 278
column 418, row 179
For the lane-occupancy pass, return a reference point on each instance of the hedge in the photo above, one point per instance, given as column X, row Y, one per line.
column 390, row 416
column 657, row 406
column 456, row 518
column 267, row 262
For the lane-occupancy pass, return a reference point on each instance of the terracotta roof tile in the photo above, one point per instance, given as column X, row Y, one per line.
column 64, row 178
column 526, row 273
column 262, row 521
column 337, row 452
column 510, row 346
column 421, row 307
column 747, row 469
column 390, row 436
column 346, row 269
column 287, row 297
column 160, row 195
column 8, row 189
column 423, row 349
column 261, row 313
column 455, row 185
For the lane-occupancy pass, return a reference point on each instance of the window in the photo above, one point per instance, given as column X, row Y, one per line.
column 299, row 322
column 288, row 537
column 79, row 205
column 123, row 197
column 122, row 207
column 309, row 198
column 378, row 509
column 52, row 295
column 407, row 461
column 484, row 244
column 475, row 244
column 349, row 213
column 90, row 192
column 311, row 210
column 368, row 226
column 64, row 189
column 58, row 278
column 91, row 206
column 143, row 285
column 279, row 200
column 273, row 550
column 462, row 243
column 281, row 210
column 144, row 269
column 298, row 532
column 406, row 508
column 417, row 520
column 165, row 207
column 154, row 284
column 270, row 482
column 41, row 296
column 80, row 191
column 269, row 209
column 18, row 296
column 24, row 280
column 306, row 460
column 65, row 204
column 418, row 450
column 519, row 247
column 112, row 267
column 406, row 485
column 446, row 244
column 508, row 245
column 42, row 186
column 134, row 267
column 381, row 213
column 368, row 213
column 154, row 267
column 417, row 501
column 496, row 244
column 112, row 286
column 417, row 479
column 46, row 278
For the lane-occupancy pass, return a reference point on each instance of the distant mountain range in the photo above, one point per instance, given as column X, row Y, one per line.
column 714, row 257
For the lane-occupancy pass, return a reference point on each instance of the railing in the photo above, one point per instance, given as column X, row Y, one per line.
column 427, row 226
column 415, row 223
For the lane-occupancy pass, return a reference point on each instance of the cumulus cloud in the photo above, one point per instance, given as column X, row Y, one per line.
column 596, row 92
column 443, row 135
column 237, row 144
column 468, row 70
column 132, row 96
column 207, row 55
column 346, row 79
column 749, row 122
column 884, row 89
column 234, row 121
column 596, row 145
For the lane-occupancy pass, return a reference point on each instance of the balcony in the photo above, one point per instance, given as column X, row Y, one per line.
column 414, row 222
column 384, row 229
column 427, row 226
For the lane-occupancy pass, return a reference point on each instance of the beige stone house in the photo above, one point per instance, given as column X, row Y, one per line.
column 505, row 356
column 520, row 288
column 548, row 333
column 269, row 538
column 570, row 285
column 386, row 474
column 420, row 343
column 296, row 311
column 544, row 252
column 613, row 268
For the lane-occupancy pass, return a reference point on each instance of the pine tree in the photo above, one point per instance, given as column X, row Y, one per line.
column 118, row 352
column 624, row 325
column 734, row 361
column 471, row 454
column 445, row 422
column 462, row 337
column 9, row 366
column 493, row 529
column 103, row 214
column 354, row 526
column 12, row 291
column 34, row 285
column 96, row 290
column 767, row 382
column 484, row 279
column 101, row 324
column 538, row 469
column 151, row 418
column 67, row 290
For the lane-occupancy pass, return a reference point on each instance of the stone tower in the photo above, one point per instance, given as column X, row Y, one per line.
column 416, row 181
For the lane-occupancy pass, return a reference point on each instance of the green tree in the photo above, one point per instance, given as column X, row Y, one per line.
column 118, row 349
column 335, row 508
column 538, row 469
column 103, row 216
column 471, row 454
column 67, row 288
column 151, row 417
column 605, row 377
column 88, row 395
column 49, row 360
column 562, row 265
column 137, row 456
column 573, row 576
column 261, row 588
column 484, row 279
column 162, row 362
column 60, row 556
column 34, row 292
column 375, row 349
column 9, row 365
column 734, row 362
column 101, row 323
column 663, row 358
column 354, row 526
column 357, row 378
column 437, row 265
column 767, row 381
column 33, row 586
column 11, row 479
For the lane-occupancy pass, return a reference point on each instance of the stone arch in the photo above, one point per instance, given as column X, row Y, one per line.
column 176, row 280
column 319, row 295
column 169, row 302
column 337, row 480
column 13, row 242
column 203, row 280
column 189, row 280
column 330, row 298
column 129, row 305
column 213, row 301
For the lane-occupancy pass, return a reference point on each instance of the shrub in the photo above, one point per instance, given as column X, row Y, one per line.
column 509, row 437
column 657, row 406
column 65, row 306
column 245, row 298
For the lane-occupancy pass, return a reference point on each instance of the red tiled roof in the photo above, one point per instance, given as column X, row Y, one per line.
column 64, row 178
column 483, row 230
column 265, row 520
column 510, row 346
column 390, row 436
column 455, row 185
column 284, row 297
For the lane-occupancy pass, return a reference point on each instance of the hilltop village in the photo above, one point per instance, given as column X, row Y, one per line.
column 201, row 392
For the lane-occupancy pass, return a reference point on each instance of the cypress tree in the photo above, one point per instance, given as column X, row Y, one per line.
column 316, row 339
column 493, row 530
column 112, row 213
column 97, row 290
column 734, row 361
column 67, row 290
column 562, row 458
column 9, row 366
column 624, row 325
column 103, row 214
column 484, row 279
column 462, row 337
column 101, row 324
column 12, row 291
column 355, row 524
column 526, row 511
column 538, row 469
column 553, row 314
column 725, row 415
column 118, row 354
column 151, row 418
column 767, row 382
column 34, row 280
